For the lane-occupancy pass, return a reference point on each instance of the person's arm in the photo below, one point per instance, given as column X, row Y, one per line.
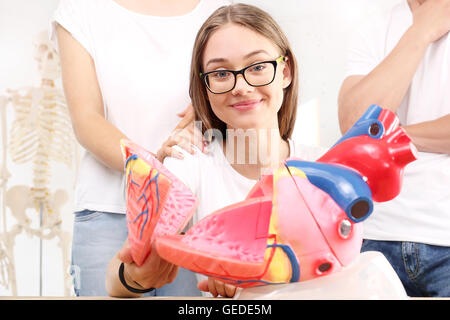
column 385, row 86
column 84, row 98
column 431, row 136
column 388, row 83
column 154, row 273
column 112, row 283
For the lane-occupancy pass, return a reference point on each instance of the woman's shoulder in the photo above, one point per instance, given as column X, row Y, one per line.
column 79, row 12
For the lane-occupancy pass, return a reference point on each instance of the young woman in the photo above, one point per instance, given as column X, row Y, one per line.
column 244, row 88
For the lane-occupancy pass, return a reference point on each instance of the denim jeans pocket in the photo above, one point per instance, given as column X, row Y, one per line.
column 86, row 215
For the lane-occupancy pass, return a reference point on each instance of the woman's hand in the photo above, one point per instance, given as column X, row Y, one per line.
column 184, row 135
column 154, row 273
column 431, row 18
column 216, row 288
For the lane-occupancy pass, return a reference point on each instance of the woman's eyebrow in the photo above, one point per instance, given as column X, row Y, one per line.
column 215, row 60
column 253, row 53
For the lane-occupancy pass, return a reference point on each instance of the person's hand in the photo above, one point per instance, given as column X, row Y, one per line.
column 216, row 288
column 431, row 19
column 154, row 272
column 184, row 135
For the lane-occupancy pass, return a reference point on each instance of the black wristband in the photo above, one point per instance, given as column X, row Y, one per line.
column 124, row 283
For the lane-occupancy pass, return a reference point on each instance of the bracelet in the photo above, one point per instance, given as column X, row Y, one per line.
column 124, row 283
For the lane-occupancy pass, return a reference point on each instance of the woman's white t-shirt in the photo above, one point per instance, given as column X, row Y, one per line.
column 142, row 64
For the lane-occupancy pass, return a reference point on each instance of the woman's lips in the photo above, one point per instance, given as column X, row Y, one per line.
column 246, row 105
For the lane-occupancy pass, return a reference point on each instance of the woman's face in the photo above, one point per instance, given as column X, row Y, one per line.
column 234, row 47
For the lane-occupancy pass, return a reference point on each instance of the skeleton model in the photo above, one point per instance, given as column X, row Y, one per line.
column 41, row 132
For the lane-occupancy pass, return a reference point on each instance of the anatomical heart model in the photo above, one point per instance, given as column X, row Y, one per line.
column 303, row 220
column 300, row 222
column 40, row 133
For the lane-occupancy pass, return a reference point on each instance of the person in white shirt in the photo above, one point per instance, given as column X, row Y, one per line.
column 125, row 68
column 244, row 83
column 402, row 63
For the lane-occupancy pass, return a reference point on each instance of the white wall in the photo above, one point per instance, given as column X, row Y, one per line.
column 20, row 20
column 318, row 31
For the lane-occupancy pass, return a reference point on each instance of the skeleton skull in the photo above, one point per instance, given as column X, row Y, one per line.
column 46, row 56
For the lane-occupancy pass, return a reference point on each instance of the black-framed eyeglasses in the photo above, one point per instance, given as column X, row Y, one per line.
column 256, row 75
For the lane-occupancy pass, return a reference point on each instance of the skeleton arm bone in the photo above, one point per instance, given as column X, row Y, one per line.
column 85, row 102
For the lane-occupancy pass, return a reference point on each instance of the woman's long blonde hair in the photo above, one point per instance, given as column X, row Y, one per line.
column 261, row 22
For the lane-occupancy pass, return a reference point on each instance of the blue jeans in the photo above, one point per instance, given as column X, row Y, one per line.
column 423, row 269
column 97, row 237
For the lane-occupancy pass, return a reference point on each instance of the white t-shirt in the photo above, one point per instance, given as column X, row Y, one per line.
column 142, row 64
column 421, row 213
column 215, row 182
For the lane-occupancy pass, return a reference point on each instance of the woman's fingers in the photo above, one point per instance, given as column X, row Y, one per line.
column 212, row 287
column 203, row 285
column 220, row 288
column 230, row 290
column 216, row 288
column 167, row 150
column 125, row 255
column 186, row 135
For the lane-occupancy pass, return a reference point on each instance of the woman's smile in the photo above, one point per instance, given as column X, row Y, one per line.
column 246, row 105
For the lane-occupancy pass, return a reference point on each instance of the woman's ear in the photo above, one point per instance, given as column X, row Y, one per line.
column 287, row 74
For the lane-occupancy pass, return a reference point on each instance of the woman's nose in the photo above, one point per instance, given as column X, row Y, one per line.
column 241, row 86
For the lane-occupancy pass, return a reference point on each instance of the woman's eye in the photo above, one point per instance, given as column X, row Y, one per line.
column 258, row 68
column 221, row 74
